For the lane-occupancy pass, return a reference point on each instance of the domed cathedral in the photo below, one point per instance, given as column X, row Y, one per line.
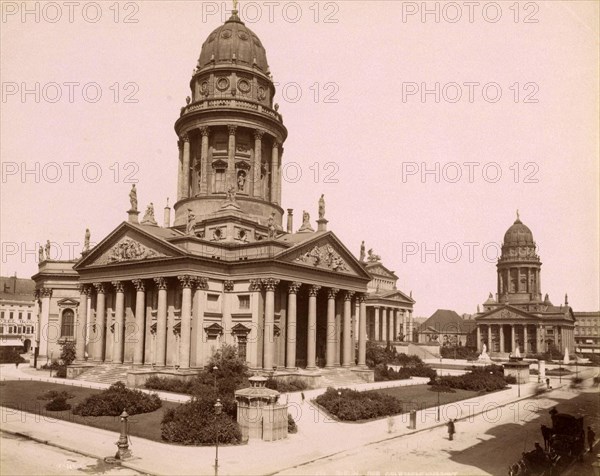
column 164, row 298
column 518, row 317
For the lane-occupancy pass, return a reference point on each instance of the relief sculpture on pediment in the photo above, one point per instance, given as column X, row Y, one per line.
column 324, row 256
column 130, row 250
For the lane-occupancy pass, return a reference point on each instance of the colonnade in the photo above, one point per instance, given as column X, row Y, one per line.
column 391, row 324
column 527, row 336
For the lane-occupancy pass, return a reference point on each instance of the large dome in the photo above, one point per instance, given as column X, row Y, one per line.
column 231, row 43
column 518, row 235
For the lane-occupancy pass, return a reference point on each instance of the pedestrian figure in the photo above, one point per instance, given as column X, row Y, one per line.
column 302, row 395
column 17, row 364
column 451, row 429
column 591, row 436
column 547, row 383
column 546, row 434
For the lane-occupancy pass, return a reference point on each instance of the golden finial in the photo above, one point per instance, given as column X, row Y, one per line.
column 235, row 5
column 518, row 218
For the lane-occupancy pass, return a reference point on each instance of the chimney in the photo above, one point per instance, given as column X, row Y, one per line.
column 290, row 220
column 167, row 216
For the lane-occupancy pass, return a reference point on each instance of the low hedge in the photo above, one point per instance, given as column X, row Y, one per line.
column 169, row 384
column 479, row 380
column 58, row 404
column 291, row 385
column 115, row 399
column 351, row 405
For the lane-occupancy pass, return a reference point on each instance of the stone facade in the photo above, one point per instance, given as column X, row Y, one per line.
column 17, row 313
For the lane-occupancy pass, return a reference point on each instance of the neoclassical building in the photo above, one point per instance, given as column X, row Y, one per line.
column 228, row 270
column 519, row 316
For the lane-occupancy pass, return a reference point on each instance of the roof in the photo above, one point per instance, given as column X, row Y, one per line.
column 13, row 288
column 445, row 320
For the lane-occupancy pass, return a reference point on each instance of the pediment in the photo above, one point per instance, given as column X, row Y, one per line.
column 506, row 313
column 380, row 271
column 68, row 302
column 398, row 295
column 128, row 244
column 325, row 253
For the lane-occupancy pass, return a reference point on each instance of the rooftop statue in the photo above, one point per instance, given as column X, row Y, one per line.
column 322, row 207
column 133, row 198
column 373, row 257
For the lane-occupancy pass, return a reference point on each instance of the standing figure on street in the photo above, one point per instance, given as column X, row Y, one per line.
column 451, row 429
column 591, row 436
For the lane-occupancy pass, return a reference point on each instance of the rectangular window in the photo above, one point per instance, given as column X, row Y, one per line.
column 29, row 316
column 20, row 316
column 19, row 329
column 244, row 302
column 10, row 315
column 213, row 302
column 1, row 329
column 10, row 330
column 2, row 315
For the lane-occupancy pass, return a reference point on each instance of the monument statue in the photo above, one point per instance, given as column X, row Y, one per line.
column 271, row 226
column 231, row 194
column 373, row 257
column 133, row 198
column 484, row 357
column 241, row 180
column 149, row 215
column 362, row 251
column 47, row 248
column 191, row 221
column 86, row 240
column 322, row 207
column 305, row 222
column 41, row 254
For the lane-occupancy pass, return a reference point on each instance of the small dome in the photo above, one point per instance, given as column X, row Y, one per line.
column 518, row 234
column 233, row 41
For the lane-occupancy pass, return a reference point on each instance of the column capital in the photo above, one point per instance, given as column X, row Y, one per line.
column 161, row 283
column 184, row 137
column 270, row 284
column 362, row 297
column 99, row 288
column 258, row 134
column 331, row 293
column 228, row 285
column 186, row 281
column 201, row 283
column 313, row 290
column 118, row 285
column 139, row 284
column 45, row 292
column 84, row 289
column 254, row 285
column 205, row 131
column 232, row 129
column 348, row 295
column 276, row 144
column 294, row 287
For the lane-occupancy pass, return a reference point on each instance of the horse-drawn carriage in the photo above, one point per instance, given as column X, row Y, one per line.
column 564, row 442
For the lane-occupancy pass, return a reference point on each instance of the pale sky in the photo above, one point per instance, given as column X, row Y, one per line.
column 360, row 121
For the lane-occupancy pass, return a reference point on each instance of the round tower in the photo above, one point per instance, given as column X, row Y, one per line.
column 230, row 140
column 519, row 267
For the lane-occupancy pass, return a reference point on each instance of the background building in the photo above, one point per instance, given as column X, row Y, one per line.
column 587, row 332
column 17, row 314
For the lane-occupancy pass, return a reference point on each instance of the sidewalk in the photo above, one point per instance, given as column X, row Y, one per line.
column 318, row 436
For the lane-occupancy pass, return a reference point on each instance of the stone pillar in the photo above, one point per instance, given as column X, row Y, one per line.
column 180, row 170
column 404, row 326
column 489, row 337
column 346, row 354
column 140, row 328
column 384, row 327
column 478, row 343
column 377, row 335
column 161, row 322
column 185, row 175
column 269, row 336
column 512, row 338
column 338, row 332
column 501, row 331
column 410, row 325
column 204, row 161
column 44, row 331
column 100, row 322
column 186, row 320
column 117, row 350
column 275, row 173
column 525, row 338
column 331, row 334
column 231, row 182
column 355, row 330
column 311, row 344
column 391, row 325
column 81, row 329
column 398, row 324
column 256, row 188
column 290, row 362
column 362, row 333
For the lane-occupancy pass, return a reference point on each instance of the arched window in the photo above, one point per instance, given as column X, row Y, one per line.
column 68, row 323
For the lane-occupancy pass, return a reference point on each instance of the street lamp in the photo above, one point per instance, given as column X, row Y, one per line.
column 218, row 407
column 215, row 368
column 339, row 401
column 437, row 383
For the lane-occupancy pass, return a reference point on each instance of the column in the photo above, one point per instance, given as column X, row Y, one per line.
column 355, row 330
column 275, row 173
column 339, row 308
column 269, row 336
column 489, row 339
column 404, row 326
column 231, row 182
column 331, row 334
column 410, row 325
column 204, row 161
column 140, row 314
column 311, row 345
column 180, row 170
column 398, row 322
column 256, row 189
column 384, row 327
column 185, row 175
column 44, row 332
column 290, row 362
column 478, row 343
column 512, row 338
column 362, row 332
column 161, row 322
column 186, row 320
column 346, row 358
column 501, row 330
column 100, row 322
column 117, row 350
column 525, row 338
column 377, row 336
column 391, row 325
column 81, row 330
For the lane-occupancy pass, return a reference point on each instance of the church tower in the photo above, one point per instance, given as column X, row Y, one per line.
column 519, row 268
column 230, row 142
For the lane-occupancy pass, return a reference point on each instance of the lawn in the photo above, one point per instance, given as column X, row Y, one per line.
column 418, row 397
column 23, row 396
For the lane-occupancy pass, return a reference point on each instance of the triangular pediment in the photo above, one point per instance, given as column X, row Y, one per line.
column 68, row 302
column 397, row 295
column 324, row 252
column 506, row 313
column 380, row 271
column 128, row 244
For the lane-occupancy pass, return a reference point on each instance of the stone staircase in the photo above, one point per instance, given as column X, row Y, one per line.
column 339, row 377
column 105, row 373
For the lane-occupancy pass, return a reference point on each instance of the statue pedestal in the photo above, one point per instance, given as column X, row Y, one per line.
column 133, row 216
column 322, row 224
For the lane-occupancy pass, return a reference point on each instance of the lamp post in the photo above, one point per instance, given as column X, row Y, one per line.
column 339, row 402
column 437, row 383
column 50, row 364
column 215, row 368
column 218, row 407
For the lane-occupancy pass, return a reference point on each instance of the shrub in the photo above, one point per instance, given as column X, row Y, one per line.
column 61, row 372
column 67, row 352
column 292, row 385
column 169, row 384
column 53, row 394
column 292, row 427
column 195, row 423
column 115, row 399
column 58, row 404
column 486, row 379
column 459, row 352
column 351, row 405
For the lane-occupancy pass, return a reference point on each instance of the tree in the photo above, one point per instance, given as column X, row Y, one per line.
column 67, row 352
